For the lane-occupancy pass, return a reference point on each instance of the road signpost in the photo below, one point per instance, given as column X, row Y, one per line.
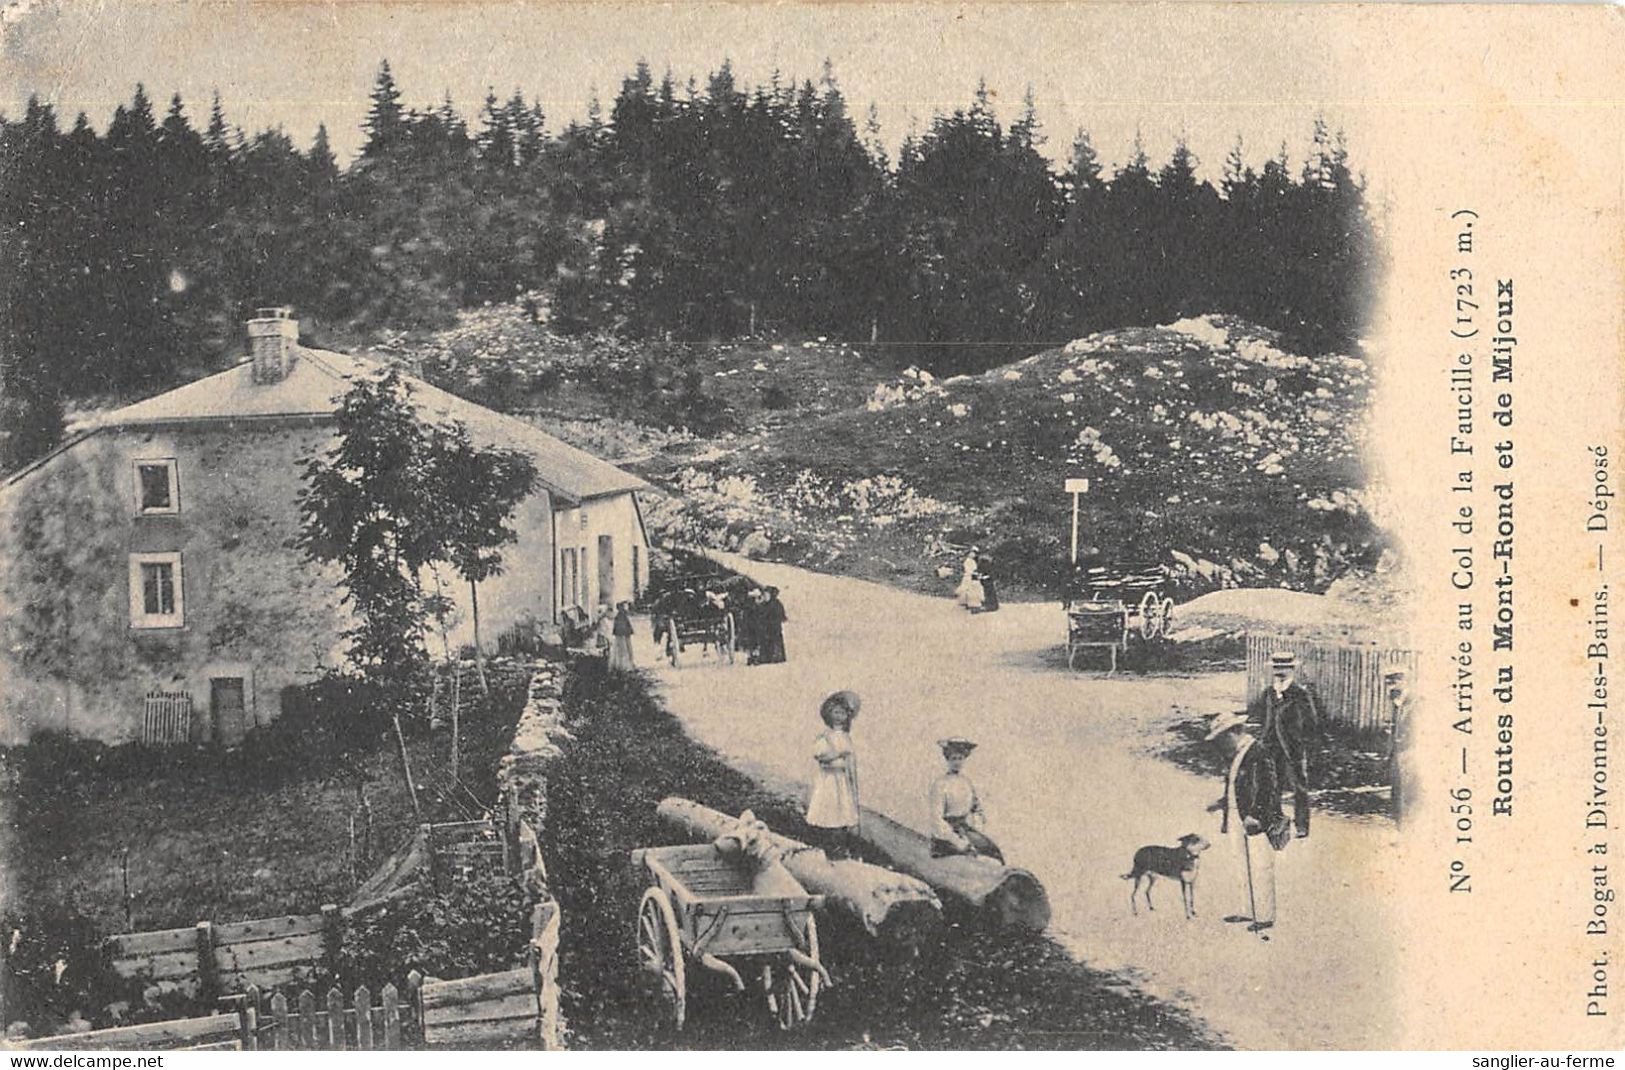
column 1075, row 487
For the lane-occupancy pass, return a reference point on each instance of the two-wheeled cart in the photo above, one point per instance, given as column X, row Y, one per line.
column 732, row 916
column 1108, row 608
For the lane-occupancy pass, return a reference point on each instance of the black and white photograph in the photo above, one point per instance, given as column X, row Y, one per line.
column 801, row 527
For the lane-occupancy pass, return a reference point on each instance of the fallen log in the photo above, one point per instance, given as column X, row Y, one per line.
column 891, row 906
column 1012, row 897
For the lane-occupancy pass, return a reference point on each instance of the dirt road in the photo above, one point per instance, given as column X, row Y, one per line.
column 1066, row 773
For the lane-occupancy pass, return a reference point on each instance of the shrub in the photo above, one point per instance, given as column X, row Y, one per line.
column 479, row 924
column 60, row 965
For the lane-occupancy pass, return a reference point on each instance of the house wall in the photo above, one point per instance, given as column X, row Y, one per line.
column 580, row 529
column 254, row 607
column 522, row 593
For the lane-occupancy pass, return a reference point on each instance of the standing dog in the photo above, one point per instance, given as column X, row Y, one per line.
column 1173, row 863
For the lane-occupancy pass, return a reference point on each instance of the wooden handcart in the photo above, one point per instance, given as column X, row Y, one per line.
column 1108, row 608
column 700, row 615
column 707, row 629
column 734, row 917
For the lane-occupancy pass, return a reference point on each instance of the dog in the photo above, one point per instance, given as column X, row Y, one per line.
column 1173, row 863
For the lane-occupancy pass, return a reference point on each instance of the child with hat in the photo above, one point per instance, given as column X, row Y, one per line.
column 832, row 805
column 957, row 817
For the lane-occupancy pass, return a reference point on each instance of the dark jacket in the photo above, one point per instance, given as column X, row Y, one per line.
column 1287, row 724
column 1258, row 791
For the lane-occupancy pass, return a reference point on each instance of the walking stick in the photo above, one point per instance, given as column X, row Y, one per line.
column 1247, row 858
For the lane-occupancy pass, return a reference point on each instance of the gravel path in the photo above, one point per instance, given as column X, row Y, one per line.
column 1072, row 790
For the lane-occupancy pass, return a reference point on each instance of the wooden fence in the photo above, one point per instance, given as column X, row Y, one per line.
column 215, row 1032
column 208, row 960
column 167, row 718
column 309, row 1024
column 1345, row 678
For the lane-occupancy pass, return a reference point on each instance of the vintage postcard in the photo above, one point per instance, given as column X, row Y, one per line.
column 811, row 526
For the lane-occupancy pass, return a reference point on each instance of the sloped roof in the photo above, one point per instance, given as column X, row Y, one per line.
column 317, row 382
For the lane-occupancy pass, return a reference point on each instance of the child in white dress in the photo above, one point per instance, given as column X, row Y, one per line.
column 832, row 804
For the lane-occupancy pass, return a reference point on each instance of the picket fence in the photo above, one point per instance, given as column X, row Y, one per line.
column 1345, row 679
column 272, row 1023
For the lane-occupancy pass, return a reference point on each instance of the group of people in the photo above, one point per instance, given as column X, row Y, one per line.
column 957, row 816
column 977, row 591
column 1269, row 749
column 759, row 622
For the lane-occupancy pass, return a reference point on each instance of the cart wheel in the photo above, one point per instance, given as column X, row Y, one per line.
column 792, row 991
column 726, row 645
column 1167, row 616
column 660, row 951
column 1150, row 612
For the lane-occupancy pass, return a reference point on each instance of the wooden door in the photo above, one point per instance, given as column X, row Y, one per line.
column 228, row 709
column 606, row 570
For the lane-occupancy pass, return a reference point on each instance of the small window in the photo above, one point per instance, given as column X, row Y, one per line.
column 156, row 489
column 156, row 599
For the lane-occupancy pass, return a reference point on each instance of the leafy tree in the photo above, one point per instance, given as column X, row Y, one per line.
column 480, row 490
column 370, row 506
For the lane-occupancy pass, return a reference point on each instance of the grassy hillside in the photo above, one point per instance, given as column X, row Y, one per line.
column 500, row 357
column 1208, row 447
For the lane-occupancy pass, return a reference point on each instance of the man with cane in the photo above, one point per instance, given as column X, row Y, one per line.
column 1252, row 814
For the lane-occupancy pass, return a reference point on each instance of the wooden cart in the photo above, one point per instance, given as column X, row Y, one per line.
column 1107, row 608
column 707, row 629
column 698, row 612
column 735, row 918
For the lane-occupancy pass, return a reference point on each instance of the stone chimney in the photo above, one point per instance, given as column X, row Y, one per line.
column 273, row 339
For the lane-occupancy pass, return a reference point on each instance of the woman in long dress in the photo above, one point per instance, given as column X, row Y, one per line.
column 957, row 817
column 990, row 587
column 969, row 591
column 770, row 629
column 832, row 805
column 620, row 643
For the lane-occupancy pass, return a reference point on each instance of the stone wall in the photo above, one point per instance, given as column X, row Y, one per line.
column 522, row 778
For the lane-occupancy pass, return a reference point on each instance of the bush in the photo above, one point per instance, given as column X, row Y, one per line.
column 325, row 722
column 60, row 965
column 480, row 924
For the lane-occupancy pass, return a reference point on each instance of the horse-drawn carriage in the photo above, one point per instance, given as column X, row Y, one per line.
column 1108, row 608
column 700, row 611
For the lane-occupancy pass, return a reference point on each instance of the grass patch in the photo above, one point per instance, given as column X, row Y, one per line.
column 972, row 989
column 226, row 836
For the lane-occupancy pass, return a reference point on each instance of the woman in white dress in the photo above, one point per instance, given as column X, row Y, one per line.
column 957, row 817
column 970, row 592
column 832, row 805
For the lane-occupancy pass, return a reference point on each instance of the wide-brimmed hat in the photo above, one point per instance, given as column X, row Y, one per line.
column 847, row 700
column 1224, row 722
column 1394, row 674
column 1283, row 661
column 956, row 746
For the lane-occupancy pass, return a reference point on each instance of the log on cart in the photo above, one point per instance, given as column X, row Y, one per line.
column 735, row 916
column 893, row 907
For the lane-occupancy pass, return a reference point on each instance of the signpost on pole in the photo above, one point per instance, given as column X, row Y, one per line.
column 1076, row 487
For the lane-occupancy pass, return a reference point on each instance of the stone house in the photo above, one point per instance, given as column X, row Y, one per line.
column 150, row 582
